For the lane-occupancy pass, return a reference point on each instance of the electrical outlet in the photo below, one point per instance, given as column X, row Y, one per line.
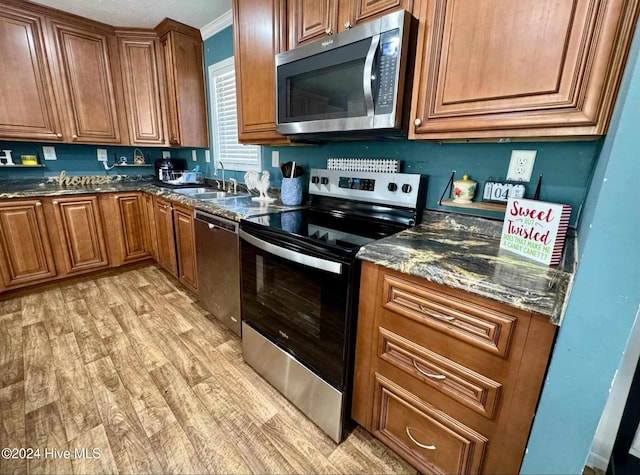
column 275, row 158
column 102, row 154
column 166, row 154
column 207, row 156
column 521, row 165
column 194, row 156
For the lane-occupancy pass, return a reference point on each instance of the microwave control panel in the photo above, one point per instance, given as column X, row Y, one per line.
column 387, row 67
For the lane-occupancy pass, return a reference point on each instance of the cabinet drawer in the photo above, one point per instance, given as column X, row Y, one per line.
column 464, row 385
column 483, row 327
column 427, row 437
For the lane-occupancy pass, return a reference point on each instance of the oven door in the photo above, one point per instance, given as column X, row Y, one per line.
column 300, row 302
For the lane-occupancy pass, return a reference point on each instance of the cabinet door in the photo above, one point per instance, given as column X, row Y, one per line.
column 499, row 68
column 79, row 227
column 186, row 98
column 164, row 234
column 28, row 110
column 150, row 224
column 25, row 250
column 311, row 20
column 143, row 81
column 257, row 38
column 186, row 247
column 129, row 222
column 354, row 12
column 84, row 63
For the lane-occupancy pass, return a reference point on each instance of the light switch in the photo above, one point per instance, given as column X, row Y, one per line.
column 102, row 154
column 275, row 159
column 207, row 156
column 166, row 154
column 194, row 156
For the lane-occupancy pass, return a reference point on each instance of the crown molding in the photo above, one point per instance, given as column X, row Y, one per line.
column 217, row 25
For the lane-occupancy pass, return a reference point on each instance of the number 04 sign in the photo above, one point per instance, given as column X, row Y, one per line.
column 496, row 191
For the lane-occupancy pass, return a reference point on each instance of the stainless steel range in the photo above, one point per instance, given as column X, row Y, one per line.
column 300, row 281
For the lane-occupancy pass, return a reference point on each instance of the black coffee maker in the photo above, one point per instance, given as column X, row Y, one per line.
column 165, row 168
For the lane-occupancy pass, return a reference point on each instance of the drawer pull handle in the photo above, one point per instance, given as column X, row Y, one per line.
column 428, row 447
column 428, row 375
column 436, row 315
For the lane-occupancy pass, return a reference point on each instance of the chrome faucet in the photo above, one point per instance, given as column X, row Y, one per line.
column 220, row 165
column 234, row 182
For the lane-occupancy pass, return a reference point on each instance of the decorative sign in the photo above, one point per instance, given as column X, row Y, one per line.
column 497, row 191
column 535, row 229
column 64, row 179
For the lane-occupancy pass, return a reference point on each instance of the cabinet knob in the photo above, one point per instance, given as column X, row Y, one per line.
column 38, row 203
column 329, row 31
column 55, row 203
column 417, row 122
column 59, row 135
column 347, row 24
column 74, row 136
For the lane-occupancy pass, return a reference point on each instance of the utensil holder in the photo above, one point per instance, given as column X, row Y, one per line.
column 291, row 191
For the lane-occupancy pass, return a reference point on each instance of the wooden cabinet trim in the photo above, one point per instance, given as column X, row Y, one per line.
column 464, row 385
column 452, row 447
column 466, row 321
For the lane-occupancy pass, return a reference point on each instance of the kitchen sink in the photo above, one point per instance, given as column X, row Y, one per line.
column 206, row 193
column 195, row 190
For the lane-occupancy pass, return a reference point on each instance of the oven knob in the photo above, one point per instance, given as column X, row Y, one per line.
column 392, row 187
column 315, row 180
column 406, row 188
column 324, row 180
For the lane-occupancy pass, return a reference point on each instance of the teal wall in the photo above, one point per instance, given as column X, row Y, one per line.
column 82, row 159
column 604, row 301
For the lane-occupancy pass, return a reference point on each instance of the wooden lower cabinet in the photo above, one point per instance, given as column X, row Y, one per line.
column 78, row 240
column 438, row 373
column 163, row 215
column 185, row 246
column 128, row 240
column 26, row 256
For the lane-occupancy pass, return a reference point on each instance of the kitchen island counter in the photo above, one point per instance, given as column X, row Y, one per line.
column 463, row 252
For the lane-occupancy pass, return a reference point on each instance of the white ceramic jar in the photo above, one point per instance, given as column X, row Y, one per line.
column 464, row 190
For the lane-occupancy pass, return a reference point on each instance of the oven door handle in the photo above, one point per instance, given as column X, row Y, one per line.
column 304, row 259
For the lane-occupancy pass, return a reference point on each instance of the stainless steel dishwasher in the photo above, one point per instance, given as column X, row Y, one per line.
column 218, row 256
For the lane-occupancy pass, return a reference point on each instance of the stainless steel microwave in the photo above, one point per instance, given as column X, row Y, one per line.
column 349, row 85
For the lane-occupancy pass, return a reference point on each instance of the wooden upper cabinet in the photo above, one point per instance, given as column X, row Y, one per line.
column 80, row 237
column 257, row 38
column 25, row 250
column 186, row 97
column 88, row 70
column 530, row 68
column 144, row 89
column 28, row 109
column 310, row 20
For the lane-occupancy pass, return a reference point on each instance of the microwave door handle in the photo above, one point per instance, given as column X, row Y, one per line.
column 368, row 78
column 309, row 261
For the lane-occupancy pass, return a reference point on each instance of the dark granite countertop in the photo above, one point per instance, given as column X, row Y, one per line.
column 232, row 208
column 463, row 252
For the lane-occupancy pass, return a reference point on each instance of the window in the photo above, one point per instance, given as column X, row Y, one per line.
column 222, row 94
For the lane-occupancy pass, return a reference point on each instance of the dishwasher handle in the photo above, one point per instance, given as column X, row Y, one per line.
column 216, row 222
column 288, row 254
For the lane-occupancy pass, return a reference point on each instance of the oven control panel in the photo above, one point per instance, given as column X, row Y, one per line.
column 400, row 189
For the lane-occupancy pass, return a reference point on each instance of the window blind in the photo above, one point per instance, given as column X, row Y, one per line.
column 226, row 148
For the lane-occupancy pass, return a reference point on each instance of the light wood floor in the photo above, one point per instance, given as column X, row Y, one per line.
column 128, row 367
